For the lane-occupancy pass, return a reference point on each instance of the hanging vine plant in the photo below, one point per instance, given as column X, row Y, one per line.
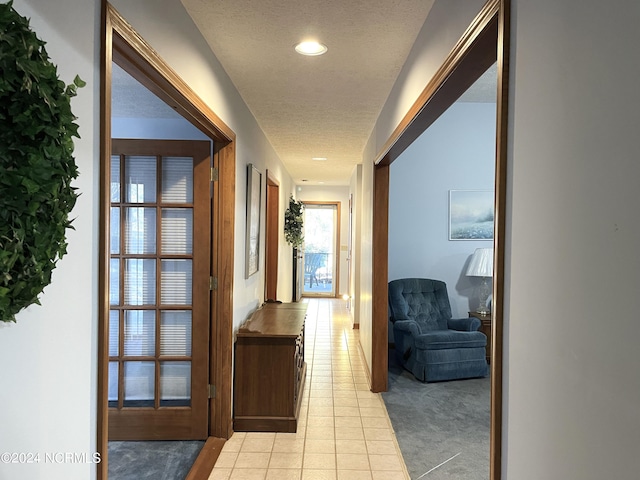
column 36, row 164
column 293, row 223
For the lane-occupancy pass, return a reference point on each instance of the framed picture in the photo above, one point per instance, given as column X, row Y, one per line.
column 252, row 245
column 471, row 214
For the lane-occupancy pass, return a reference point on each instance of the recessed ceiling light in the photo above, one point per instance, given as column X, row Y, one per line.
column 319, row 159
column 311, row 48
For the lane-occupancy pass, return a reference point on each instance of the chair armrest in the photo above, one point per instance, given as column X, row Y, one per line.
column 398, row 316
column 408, row 326
column 470, row 324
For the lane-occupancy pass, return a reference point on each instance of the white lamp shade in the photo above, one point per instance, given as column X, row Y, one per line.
column 481, row 263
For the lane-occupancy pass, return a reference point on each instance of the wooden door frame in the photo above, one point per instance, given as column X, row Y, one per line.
column 121, row 43
column 177, row 423
column 337, row 246
column 272, row 235
column 485, row 42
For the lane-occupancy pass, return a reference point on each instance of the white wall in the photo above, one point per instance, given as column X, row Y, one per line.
column 456, row 153
column 320, row 193
column 355, row 190
column 166, row 26
column 48, row 385
column 443, row 27
column 571, row 383
column 155, row 128
column 285, row 253
column 572, row 387
column 48, row 374
column 445, row 24
column 365, row 267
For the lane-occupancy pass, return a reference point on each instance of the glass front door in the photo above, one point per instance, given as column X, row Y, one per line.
column 320, row 239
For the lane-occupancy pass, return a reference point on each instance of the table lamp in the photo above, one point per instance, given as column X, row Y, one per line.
column 481, row 265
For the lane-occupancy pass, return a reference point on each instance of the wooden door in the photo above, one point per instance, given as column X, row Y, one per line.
column 160, row 242
column 272, row 235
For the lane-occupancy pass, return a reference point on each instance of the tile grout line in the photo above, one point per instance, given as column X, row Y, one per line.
column 335, row 345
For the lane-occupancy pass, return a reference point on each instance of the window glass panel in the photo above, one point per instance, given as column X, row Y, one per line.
column 175, row 281
column 140, row 281
column 113, row 382
column 115, row 230
column 177, row 231
column 140, row 178
column 319, row 247
column 115, row 178
column 140, row 230
column 114, row 332
column 175, row 333
column 139, row 384
column 177, row 180
column 114, row 282
column 175, row 383
column 139, row 332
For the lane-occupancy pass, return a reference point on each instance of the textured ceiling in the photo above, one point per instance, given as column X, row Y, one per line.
column 323, row 106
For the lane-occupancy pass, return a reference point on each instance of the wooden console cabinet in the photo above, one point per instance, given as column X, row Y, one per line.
column 270, row 369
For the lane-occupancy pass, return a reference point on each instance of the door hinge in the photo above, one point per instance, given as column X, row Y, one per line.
column 213, row 283
column 212, row 391
column 214, row 174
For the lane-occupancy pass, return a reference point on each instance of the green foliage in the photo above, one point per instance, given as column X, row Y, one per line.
column 36, row 164
column 293, row 222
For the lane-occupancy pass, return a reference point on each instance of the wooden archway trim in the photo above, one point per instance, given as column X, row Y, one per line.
column 474, row 53
column 484, row 42
column 121, row 43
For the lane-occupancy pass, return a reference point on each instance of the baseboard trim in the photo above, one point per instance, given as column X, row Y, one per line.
column 367, row 371
column 203, row 466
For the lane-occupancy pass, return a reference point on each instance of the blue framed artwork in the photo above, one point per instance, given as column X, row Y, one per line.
column 471, row 214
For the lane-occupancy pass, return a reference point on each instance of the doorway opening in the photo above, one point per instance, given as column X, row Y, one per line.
column 484, row 42
column 320, row 259
column 159, row 298
column 124, row 47
column 420, row 246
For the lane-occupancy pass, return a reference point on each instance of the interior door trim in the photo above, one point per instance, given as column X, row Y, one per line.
column 485, row 41
column 336, row 247
column 272, row 235
column 121, row 43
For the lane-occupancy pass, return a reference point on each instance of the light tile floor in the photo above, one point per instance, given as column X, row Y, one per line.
column 344, row 432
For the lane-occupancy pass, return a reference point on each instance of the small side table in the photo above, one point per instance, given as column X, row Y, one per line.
column 485, row 327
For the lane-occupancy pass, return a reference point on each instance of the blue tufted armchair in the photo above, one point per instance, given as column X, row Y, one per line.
column 428, row 342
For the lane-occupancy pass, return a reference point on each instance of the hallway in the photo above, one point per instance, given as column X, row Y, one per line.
column 344, row 431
